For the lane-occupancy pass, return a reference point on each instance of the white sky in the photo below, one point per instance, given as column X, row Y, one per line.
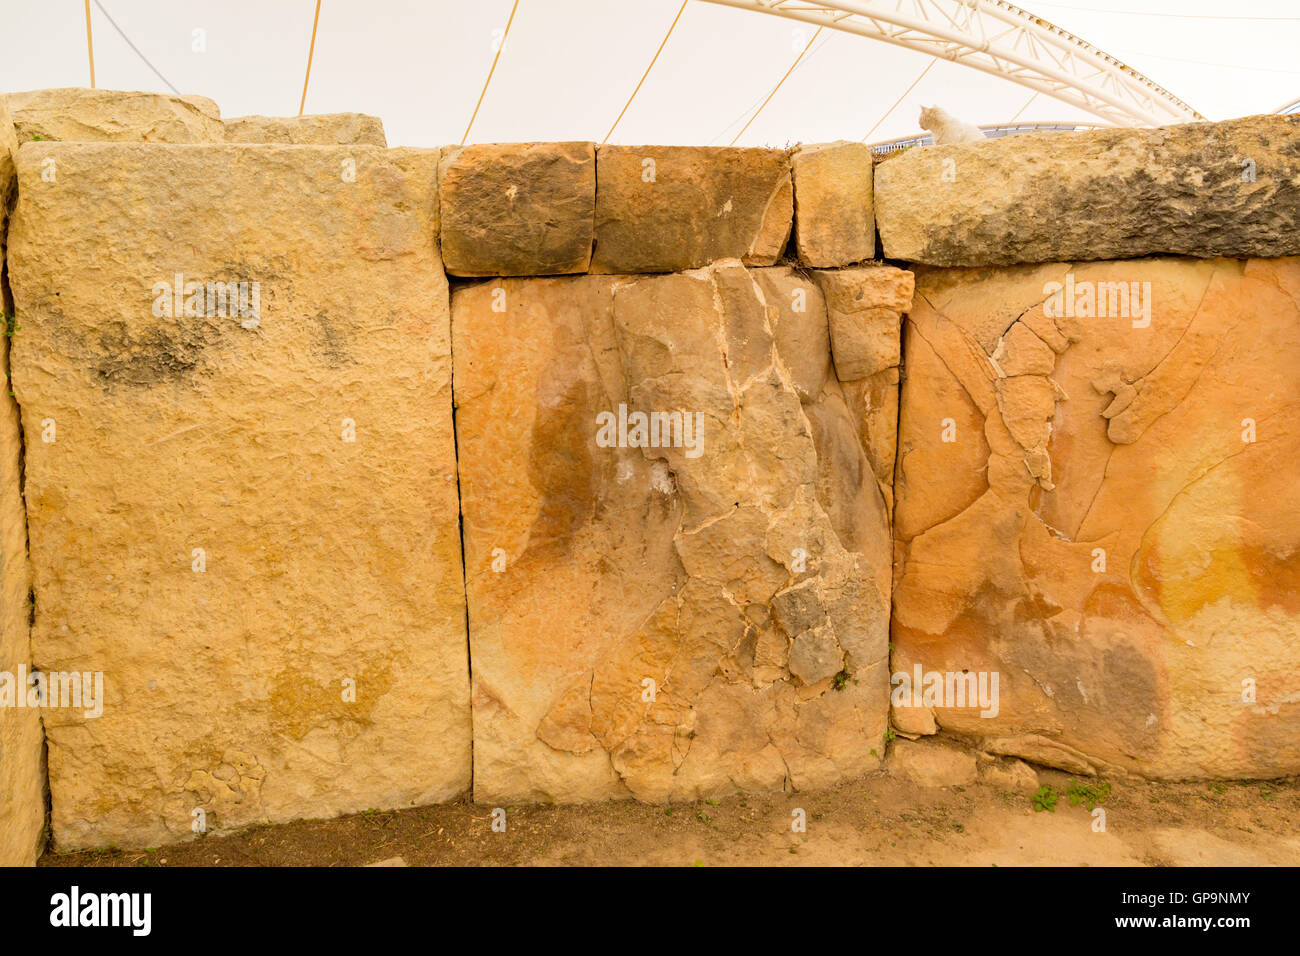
column 568, row 66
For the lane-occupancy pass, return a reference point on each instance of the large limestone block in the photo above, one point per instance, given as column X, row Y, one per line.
column 1114, row 537
column 79, row 115
column 518, row 208
column 323, row 129
column 22, row 775
column 1203, row 189
column 865, row 306
column 672, row 208
column 246, row 523
column 676, row 620
column 834, row 224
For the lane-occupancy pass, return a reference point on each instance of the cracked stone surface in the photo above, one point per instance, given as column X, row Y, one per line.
column 648, row 621
column 79, row 115
column 1101, row 532
column 1199, row 189
column 22, row 800
column 674, row 208
column 202, row 530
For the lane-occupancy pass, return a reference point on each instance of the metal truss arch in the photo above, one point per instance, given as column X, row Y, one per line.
column 1003, row 40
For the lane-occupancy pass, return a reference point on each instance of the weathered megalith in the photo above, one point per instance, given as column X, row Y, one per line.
column 673, row 208
column 81, row 115
column 518, row 209
column 834, row 224
column 1201, row 189
column 22, row 775
column 233, row 364
column 1095, row 504
column 675, row 541
column 321, row 129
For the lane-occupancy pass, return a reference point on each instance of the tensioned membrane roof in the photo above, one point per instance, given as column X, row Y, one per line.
column 565, row 69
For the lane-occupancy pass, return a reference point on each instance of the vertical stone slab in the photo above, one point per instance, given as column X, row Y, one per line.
column 679, row 619
column 243, row 505
column 1095, row 502
column 834, row 222
column 22, row 775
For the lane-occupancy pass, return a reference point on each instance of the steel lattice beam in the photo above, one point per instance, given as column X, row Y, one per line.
column 1002, row 40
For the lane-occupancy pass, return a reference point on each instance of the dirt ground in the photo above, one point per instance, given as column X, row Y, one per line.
column 878, row 821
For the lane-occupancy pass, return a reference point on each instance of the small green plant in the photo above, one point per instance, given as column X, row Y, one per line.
column 840, row 680
column 1045, row 799
column 889, row 734
column 11, row 326
column 1090, row 795
column 703, row 817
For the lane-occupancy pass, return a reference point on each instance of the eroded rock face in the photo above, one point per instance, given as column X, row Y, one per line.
column 1202, row 189
column 22, row 776
column 677, row 620
column 322, row 129
column 674, row 208
column 245, row 519
column 518, row 208
column 95, row 116
column 834, row 221
column 1094, row 502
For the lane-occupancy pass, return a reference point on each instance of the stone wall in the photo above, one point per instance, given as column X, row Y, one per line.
column 671, row 489
column 22, row 771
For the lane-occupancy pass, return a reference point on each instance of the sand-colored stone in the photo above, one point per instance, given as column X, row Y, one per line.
column 321, row 129
column 1201, row 189
column 518, row 209
column 672, row 208
column 1013, row 776
column 650, row 621
column 865, row 306
column 1104, row 534
column 834, row 224
column 22, row 775
column 932, row 763
column 74, row 114
column 324, row 560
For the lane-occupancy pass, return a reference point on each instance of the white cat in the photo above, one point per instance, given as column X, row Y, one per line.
column 947, row 128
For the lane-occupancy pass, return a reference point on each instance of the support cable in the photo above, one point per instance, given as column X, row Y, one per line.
column 777, row 87
column 488, row 81
column 646, row 73
column 311, row 51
